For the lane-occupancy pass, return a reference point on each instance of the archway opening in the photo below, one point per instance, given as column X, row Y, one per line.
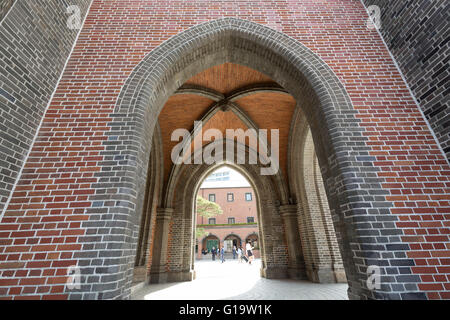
column 226, row 215
column 312, row 88
column 290, row 245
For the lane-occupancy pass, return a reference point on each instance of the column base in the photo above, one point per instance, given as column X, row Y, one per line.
column 160, row 277
column 297, row 273
column 139, row 274
column 326, row 275
column 181, row 276
column 340, row 276
column 274, row 273
column 164, row 276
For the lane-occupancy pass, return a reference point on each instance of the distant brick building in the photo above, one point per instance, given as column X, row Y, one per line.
column 239, row 221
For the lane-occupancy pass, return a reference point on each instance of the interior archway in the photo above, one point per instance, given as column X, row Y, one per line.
column 188, row 178
column 210, row 242
column 236, row 240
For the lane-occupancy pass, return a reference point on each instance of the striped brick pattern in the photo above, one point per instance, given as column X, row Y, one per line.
column 80, row 198
column 416, row 33
column 35, row 43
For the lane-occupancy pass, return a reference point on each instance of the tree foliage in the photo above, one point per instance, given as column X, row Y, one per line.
column 207, row 208
column 201, row 233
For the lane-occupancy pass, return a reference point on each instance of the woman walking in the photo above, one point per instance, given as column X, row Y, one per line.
column 249, row 250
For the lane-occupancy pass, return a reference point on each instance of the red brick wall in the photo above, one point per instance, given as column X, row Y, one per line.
column 240, row 209
column 40, row 229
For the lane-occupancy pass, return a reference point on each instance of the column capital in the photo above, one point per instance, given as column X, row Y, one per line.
column 288, row 210
column 164, row 213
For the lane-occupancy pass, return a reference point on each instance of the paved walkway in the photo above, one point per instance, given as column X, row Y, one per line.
column 234, row 281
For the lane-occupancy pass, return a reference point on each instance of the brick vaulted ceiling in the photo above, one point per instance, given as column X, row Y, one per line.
column 267, row 109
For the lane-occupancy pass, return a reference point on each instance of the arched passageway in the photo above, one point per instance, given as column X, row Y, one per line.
column 210, row 242
column 235, row 214
column 234, row 241
column 88, row 192
column 321, row 100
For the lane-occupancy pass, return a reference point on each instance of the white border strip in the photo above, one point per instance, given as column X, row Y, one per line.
column 25, row 160
column 407, row 86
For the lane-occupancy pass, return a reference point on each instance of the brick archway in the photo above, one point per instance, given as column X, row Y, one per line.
column 73, row 193
column 211, row 236
column 231, row 235
column 152, row 200
column 323, row 261
column 302, row 73
column 118, row 197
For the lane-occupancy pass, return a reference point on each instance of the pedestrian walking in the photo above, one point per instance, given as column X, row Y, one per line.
column 222, row 254
column 249, row 249
column 239, row 253
column 213, row 253
column 234, row 252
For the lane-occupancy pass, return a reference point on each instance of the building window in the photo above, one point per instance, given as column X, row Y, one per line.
column 230, row 197
column 212, row 197
column 248, row 196
column 231, row 220
column 212, row 221
column 250, row 219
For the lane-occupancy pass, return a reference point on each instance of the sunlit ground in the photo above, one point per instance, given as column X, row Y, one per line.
column 232, row 280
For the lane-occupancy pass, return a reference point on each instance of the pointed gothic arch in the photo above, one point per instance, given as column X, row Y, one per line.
column 336, row 133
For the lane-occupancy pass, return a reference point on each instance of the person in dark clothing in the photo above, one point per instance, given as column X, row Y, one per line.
column 213, row 252
column 249, row 249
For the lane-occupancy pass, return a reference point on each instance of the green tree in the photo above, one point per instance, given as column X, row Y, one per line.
column 206, row 209
column 201, row 233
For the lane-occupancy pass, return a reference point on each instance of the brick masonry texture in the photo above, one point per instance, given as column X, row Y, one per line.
column 35, row 43
column 239, row 208
column 417, row 34
column 4, row 8
column 79, row 198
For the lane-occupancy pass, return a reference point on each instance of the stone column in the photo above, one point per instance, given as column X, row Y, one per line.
column 296, row 264
column 158, row 270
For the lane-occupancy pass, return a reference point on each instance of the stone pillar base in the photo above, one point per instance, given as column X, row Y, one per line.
column 297, row 273
column 327, row 275
column 274, row 273
column 181, row 276
column 164, row 276
column 340, row 276
column 139, row 274
column 157, row 277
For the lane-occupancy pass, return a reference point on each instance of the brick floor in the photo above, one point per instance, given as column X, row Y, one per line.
column 234, row 281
